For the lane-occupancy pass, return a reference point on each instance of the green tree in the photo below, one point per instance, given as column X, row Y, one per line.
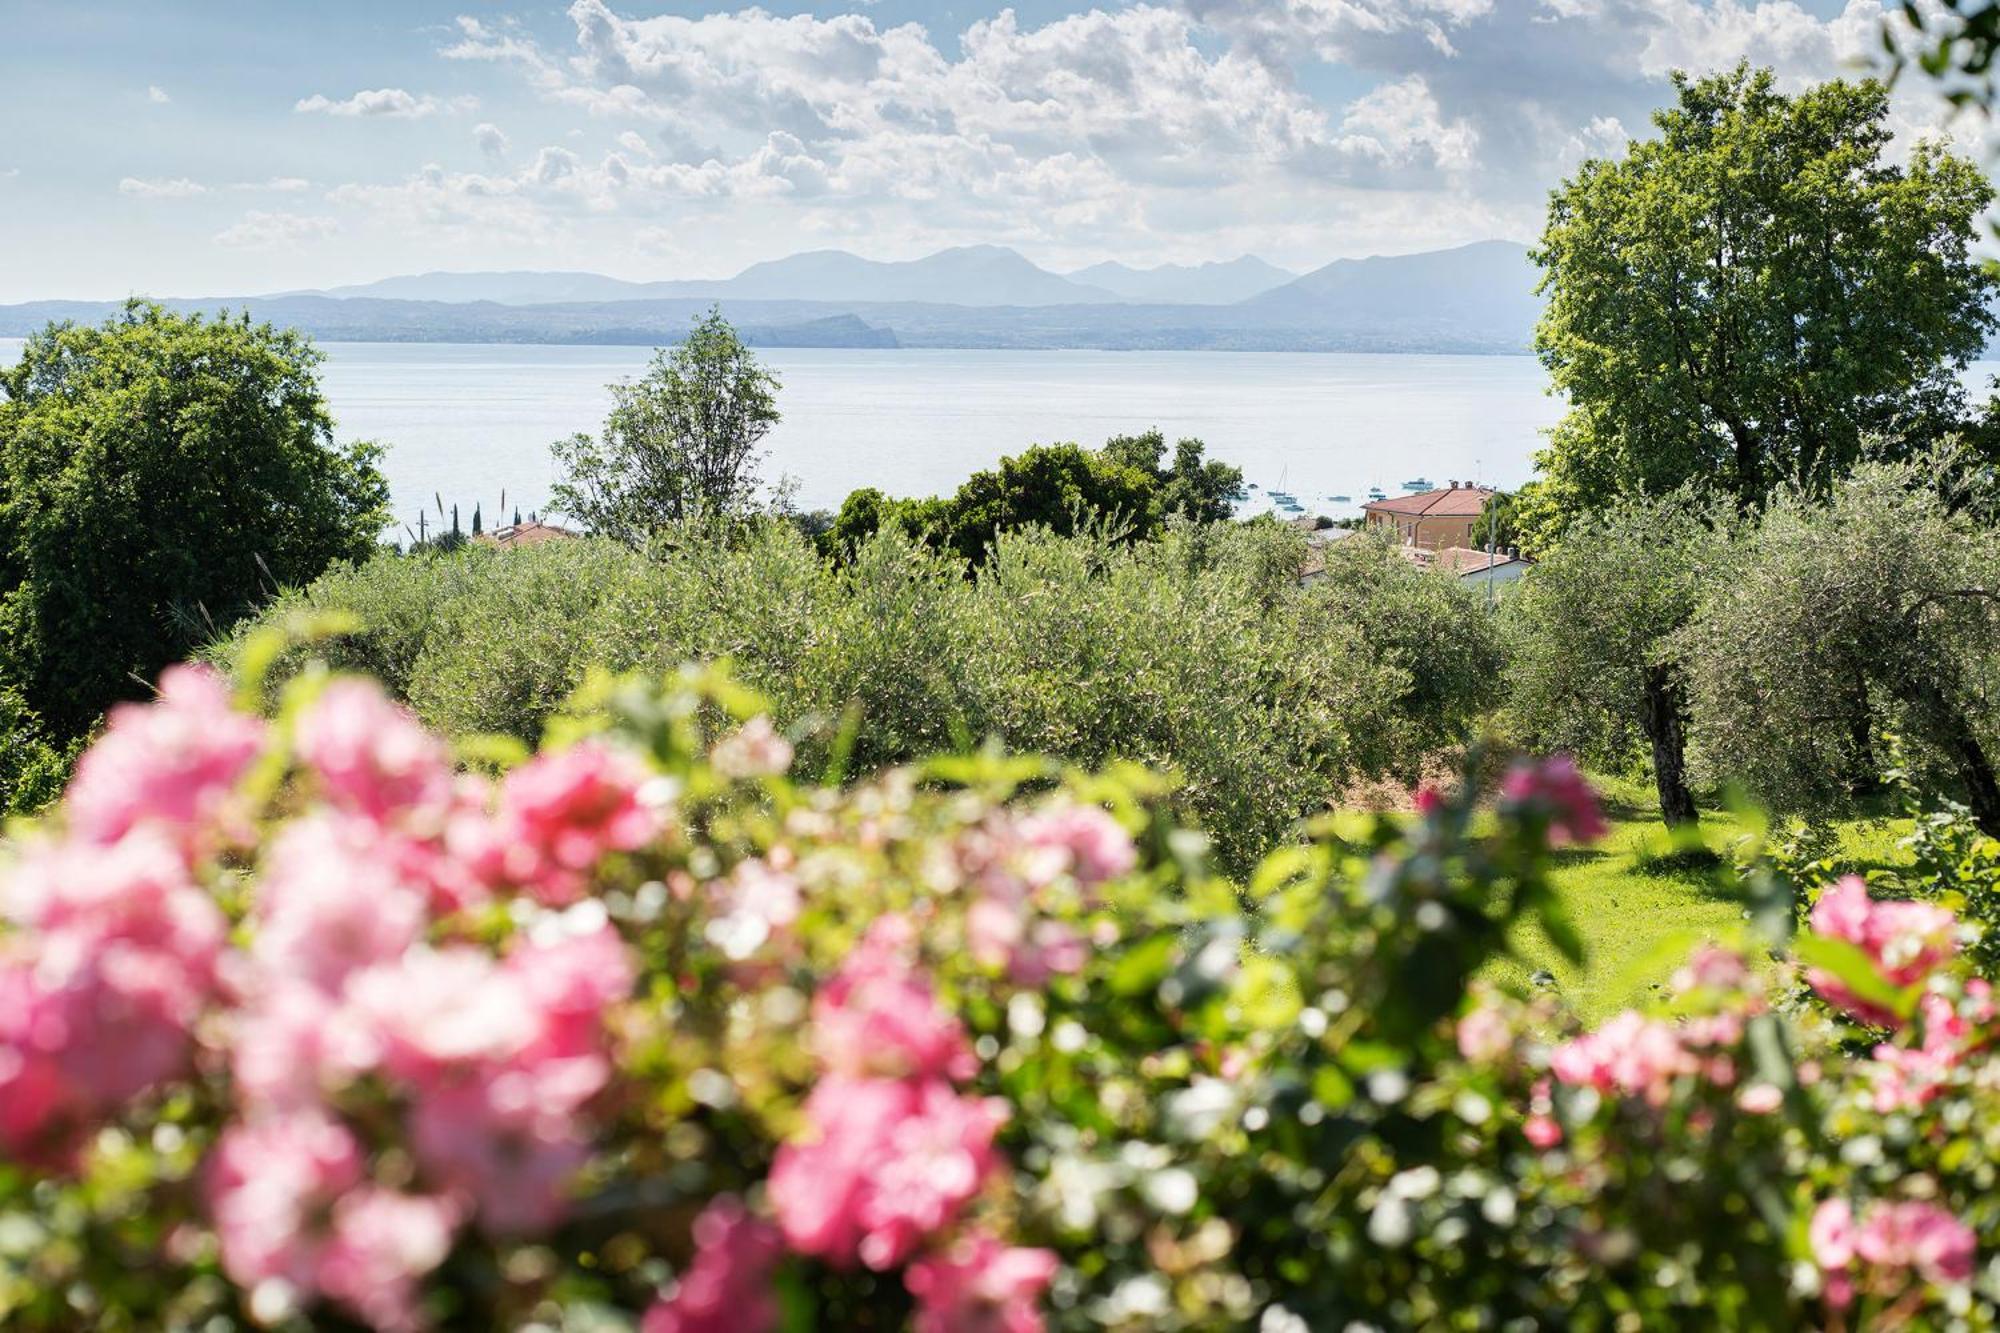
column 679, row 441
column 1872, row 611
column 1498, row 524
column 1201, row 489
column 159, row 473
column 1592, row 668
column 1752, row 298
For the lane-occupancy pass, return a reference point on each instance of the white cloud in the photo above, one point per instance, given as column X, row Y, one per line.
column 266, row 231
column 157, row 95
column 178, row 187
column 491, row 139
column 394, row 102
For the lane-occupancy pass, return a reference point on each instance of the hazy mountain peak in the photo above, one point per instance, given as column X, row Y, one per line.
column 1218, row 282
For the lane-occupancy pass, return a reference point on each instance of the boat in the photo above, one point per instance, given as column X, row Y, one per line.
column 1377, row 493
column 1341, row 499
column 1420, row 484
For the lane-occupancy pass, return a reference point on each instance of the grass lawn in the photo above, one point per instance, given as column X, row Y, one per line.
column 1639, row 909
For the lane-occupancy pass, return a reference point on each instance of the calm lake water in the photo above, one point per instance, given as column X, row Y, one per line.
column 469, row 421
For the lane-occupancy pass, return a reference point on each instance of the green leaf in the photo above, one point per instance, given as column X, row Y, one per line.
column 1855, row 970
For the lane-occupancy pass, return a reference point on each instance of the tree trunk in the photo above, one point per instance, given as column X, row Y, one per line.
column 1666, row 727
column 1968, row 756
column 1867, row 776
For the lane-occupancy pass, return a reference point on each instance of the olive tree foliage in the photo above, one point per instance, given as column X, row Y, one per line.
column 1754, row 298
column 1198, row 653
column 679, row 441
column 161, row 474
column 1875, row 610
column 1592, row 667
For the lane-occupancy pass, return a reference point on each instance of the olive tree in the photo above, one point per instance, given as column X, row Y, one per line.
column 679, row 442
column 1592, row 668
column 1874, row 610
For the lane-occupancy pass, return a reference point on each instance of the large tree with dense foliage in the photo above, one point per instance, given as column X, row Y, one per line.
column 1127, row 485
column 1591, row 668
column 679, row 441
column 1873, row 611
column 159, row 474
column 1754, row 297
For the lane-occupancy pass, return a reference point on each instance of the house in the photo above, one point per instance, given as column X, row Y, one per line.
column 532, row 533
column 1432, row 520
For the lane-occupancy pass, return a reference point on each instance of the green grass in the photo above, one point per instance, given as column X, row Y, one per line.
column 1641, row 903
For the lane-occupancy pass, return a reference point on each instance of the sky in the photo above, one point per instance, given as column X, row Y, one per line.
column 234, row 147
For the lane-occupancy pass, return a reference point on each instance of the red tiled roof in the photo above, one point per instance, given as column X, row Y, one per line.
column 1451, row 502
column 1462, row 560
column 524, row 534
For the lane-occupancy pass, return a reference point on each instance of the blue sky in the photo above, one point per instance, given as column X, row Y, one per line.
column 227, row 147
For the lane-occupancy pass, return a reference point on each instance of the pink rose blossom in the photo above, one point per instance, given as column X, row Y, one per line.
column 887, row 1164
column 372, row 757
column 330, row 903
column 173, row 763
column 1542, row 1131
column 271, row 1185
column 292, row 1045
column 727, row 1288
column 509, row 1145
column 1554, row 788
column 756, row 750
column 1631, row 1054
column 1906, row 941
column 562, row 812
column 568, row 982
column 1096, row 846
column 1429, row 800
column 437, row 1010
column 755, row 903
column 879, row 1018
column 1918, row 1236
column 382, row 1245
column 1712, row 968
column 1484, row 1035
column 981, row 1286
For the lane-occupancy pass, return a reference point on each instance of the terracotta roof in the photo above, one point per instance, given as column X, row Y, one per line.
column 1452, row 502
column 524, row 534
column 1461, row 560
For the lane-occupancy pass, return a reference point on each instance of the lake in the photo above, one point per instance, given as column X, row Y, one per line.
column 468, row 421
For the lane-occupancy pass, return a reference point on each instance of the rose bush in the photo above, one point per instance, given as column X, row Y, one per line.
column 308, row 1021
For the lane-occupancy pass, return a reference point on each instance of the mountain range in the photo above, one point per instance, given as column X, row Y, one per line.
column 1476, row 298
column 972, row 275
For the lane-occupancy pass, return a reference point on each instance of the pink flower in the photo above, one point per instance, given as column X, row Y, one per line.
column 173, row 762
column 1712, row 968
column 330, row 903
column 568, row 981
column 382, row 1244
column 1893, row 1241
column 291, row 1045
column 1542, row 1131
column 1906, row 942
column 372, row 757
column 1760, row 1098
column 1918, row 1236
column 1095, row 846
column 755, row 903
column 1429, row 800
column 116, row 961
column 271, row 1187
column 888, row 1164
column 755, row 751
column 878, row 1018
column 727, row 1287
column 563, row 811
column 440, row 1010
column 980, row 1286
column 510, row 1143
column 1631, row 1054
column 1484, row 1035
column 1555, row 790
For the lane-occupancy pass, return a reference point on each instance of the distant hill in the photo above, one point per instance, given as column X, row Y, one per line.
column 975, row 275
column 1477, row 298
column 1219, row 283
column 972, row 275
column 519, row 287
column 1489, row 285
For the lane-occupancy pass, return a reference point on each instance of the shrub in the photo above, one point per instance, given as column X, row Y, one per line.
column 304, row 1027
column 1198, row 652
